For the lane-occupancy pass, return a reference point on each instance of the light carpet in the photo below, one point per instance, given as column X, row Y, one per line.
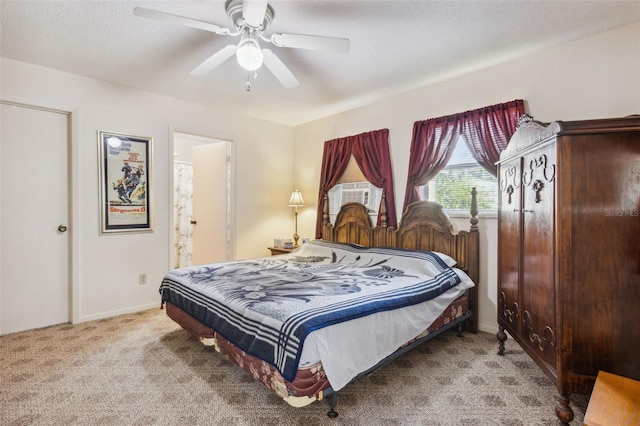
column 143, row 369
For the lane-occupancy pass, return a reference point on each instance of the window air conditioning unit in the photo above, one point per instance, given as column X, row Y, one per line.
column 359, row 192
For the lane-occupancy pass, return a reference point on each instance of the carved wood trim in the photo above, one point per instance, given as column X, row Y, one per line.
column 511, row 315
column 542, row 339
column 528, row 132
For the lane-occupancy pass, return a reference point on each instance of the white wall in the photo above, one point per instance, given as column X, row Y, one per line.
column 592, row 78
column 105, row 268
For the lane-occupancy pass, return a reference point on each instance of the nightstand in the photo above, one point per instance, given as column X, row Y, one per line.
column 280, row 250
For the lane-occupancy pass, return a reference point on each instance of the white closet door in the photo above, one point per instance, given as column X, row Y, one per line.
column 34, row 244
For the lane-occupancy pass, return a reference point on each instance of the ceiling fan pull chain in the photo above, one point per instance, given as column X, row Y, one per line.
column 247, row 85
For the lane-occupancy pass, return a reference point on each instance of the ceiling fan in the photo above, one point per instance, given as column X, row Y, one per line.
column 250, row 19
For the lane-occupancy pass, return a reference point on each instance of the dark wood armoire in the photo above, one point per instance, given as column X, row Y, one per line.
column 569, row 250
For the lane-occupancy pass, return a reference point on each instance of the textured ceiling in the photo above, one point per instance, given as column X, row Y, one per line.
column 395, row 46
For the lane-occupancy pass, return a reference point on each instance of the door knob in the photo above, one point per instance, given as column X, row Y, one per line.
column 62, row 228
column 194, row 222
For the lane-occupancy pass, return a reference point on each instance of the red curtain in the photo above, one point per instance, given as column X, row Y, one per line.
column 371, row 152
column 487, row 131
column 432, row 144
column 335, row 159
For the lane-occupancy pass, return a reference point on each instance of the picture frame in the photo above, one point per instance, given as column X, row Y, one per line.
column 125, row 183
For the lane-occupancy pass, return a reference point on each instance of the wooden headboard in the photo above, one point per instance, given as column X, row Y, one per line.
column 424, row 226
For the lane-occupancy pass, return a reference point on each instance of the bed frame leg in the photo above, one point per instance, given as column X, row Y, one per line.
column 332, row 413
column 460, row 327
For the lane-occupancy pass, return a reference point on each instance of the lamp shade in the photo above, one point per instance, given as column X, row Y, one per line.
column 296, row 199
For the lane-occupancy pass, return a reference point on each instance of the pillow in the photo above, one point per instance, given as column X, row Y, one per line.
column 450, row 261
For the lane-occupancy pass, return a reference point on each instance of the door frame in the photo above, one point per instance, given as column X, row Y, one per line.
column 231, row 182
column 73, row 189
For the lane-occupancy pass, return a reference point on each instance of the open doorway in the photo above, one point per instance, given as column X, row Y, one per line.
column 202, row 222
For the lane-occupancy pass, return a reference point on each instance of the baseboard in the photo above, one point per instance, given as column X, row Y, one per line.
column 109, row 314
column 488, row 328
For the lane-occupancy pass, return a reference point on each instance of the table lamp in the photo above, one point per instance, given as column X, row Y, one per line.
column 296, row 201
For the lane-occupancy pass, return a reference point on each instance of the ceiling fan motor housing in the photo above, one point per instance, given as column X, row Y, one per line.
column 234, row 11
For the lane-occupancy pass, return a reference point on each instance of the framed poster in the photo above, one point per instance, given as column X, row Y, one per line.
column 125, row 183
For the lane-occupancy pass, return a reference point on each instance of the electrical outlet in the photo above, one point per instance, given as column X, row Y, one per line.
column 142, row 279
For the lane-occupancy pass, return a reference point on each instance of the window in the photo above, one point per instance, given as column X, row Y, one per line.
column 452, row 186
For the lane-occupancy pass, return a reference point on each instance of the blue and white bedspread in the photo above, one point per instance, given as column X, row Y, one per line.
column 268, row 306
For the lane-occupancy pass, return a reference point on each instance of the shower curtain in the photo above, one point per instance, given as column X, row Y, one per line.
column 183, row 212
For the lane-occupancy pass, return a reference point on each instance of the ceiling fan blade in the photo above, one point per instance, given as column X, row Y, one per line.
column 218, row 58
column 253, row 12
column 175, row 19
column 300, row 41
column 279, row 69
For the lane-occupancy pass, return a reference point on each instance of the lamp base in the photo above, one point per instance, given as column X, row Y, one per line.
column 296, row 237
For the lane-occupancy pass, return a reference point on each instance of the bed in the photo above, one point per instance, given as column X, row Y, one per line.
column 310, row 322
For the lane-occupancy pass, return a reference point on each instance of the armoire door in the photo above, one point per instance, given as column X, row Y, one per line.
column 509, row 240
column 34, row 246
column 538, row 319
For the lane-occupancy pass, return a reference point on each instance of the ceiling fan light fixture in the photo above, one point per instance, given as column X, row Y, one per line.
column 249, row 54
